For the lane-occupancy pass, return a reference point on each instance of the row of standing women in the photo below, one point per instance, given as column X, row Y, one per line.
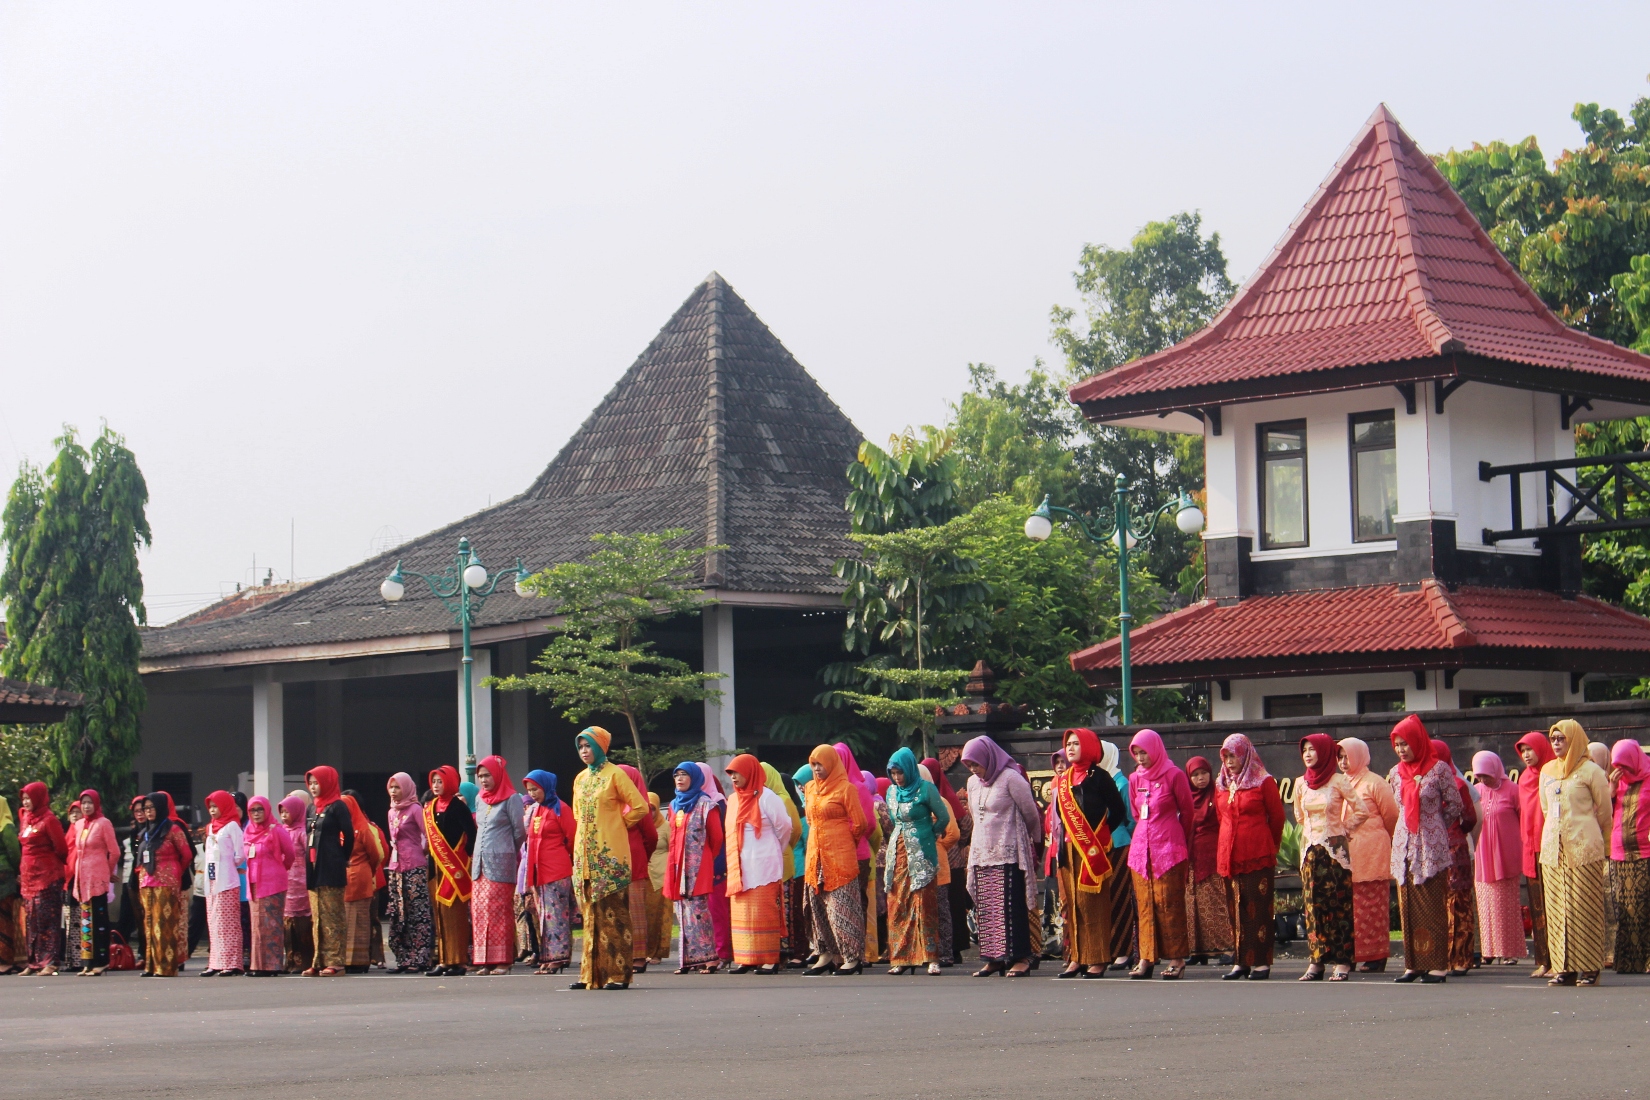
column 1201, row 856
column 1165, row 864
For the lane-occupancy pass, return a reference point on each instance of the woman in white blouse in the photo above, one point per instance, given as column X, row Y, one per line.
column 758, row 836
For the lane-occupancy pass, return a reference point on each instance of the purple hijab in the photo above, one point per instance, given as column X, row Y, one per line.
column 985, row 753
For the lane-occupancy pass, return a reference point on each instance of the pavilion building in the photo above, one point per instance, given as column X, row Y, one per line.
column 715, row 428
column 1394, row 512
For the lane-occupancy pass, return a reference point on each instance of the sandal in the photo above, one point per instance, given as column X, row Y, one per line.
column 989, row 969
column 1588, row 978
column 1173, row 973
column 1340, row 975
column 331, row 972
column 934, row 969
column 1562, row 979
column 896, row 971
column 1141, row 971
column 1311, row 975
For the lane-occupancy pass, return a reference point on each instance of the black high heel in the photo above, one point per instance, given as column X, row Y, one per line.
column 812, row 971
column 842, row 971
column 1235, row 973
column 989, row 969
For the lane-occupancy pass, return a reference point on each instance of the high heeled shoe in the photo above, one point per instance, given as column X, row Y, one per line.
column 843, row 971
column 813, row 971
column 1235, row 974
column 897, row 971
column 989, row 969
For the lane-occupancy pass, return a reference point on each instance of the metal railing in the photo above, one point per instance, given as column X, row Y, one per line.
column 1589, row 497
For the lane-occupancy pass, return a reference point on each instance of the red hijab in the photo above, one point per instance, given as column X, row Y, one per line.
column 97, row 804
column 1411, row 732
column 748, row 801
column 227, row 809
column 1324, row 770
column 502, row 787
column 943, row 785
column 1200, row 798
column 35, row 803
column 1088, row 754
column 327, row 779
column 449, row 787
column 1531, row 819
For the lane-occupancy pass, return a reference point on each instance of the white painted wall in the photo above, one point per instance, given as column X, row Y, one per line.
column 1340, row 692
column 1437, row 461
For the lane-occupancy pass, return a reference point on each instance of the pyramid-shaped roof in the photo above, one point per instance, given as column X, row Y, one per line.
column 1385, row 277
column 715, row 428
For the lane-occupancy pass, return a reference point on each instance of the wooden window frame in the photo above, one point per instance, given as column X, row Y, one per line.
column 1260, row 479
column 1354, row 449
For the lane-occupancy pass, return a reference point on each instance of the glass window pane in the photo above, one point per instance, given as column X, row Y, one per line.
column 1377, row 473
column 1285, row 439
column 1373, row 433
column 1285, row 501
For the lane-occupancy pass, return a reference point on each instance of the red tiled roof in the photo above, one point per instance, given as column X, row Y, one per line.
column 1375, row 628
column 1384, row 265
column 23, row 702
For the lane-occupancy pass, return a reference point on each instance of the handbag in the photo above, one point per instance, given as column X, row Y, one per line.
column 120, row 956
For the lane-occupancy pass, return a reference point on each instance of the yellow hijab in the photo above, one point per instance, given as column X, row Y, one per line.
column 1575, row 749
column 5, row 814
column 777, row 786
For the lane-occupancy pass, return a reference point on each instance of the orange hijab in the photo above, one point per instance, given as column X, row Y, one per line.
column 748, row 801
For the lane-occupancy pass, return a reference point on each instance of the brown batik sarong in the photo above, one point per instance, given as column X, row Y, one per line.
column 607, row 940
column 1160, row 907
column 1254, row 926
column 1423, row 909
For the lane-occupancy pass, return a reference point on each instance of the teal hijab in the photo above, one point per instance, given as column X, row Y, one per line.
column 918, row 811
column 469, row 792
column 911, row 788
column 600, row 761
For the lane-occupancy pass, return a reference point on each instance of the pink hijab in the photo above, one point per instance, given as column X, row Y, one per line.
column 867, row 800
column 712, row 786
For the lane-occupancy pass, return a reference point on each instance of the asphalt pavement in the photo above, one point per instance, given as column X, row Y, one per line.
column 1493, row 1034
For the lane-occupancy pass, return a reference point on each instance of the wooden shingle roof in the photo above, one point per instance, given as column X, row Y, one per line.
column 715, row 428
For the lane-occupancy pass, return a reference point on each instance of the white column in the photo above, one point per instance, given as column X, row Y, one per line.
column 720, row 739
column 483, row 698
column 512, row 716
column 268, row 735
column 1221, row 499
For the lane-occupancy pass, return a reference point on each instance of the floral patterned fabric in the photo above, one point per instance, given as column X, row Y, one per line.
column 602, row 808
column 1326, row 885
column 1418, row 857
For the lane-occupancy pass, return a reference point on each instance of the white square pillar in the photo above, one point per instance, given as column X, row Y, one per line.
column 512, row 708
column 720, row 739
column 268, row 735
column 483, row 703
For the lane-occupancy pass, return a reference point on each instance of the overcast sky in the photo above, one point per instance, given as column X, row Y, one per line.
column 348, row 268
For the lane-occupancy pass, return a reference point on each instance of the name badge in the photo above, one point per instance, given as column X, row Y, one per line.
column 211, row 872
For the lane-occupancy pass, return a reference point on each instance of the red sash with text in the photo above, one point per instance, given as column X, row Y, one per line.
column 1092, row 863
column 450, row 863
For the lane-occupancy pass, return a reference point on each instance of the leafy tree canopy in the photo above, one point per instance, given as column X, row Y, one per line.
column 599, row 664
column 1571, row 229
column 74, row 598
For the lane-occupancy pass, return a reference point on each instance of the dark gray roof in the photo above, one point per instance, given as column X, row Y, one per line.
column 715, row 428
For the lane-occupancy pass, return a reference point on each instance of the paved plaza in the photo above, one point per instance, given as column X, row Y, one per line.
column 1495, row 1034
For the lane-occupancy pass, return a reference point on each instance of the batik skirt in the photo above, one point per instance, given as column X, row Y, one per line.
column 412, row 925
column 45, row 926
column 493, row 923
column 269, row 933
column 942, row 900
column 11, row 932
column 1463, row 925
column 1160, row 909
column 1575, row 915
column 658, row 921
column 870, row 874
column 839, row 920
column 185, row 899
column 1249, row 900
column 758, row 917
column 1326, row 894
column 607, row 940
column 452, row 931
column 1000, row 912
column 1087, row 917
column 223, row 930
column 798, row 930
column 1208, row 924
column 1372, row 921
column 1125, row 925
column 300, row 943
column 553, row 907
column 913, row 917
column 638, row 914
column 1500, row 920
column 326, row 907
column 696, row 935
column 1630, row 886
column 160, row 930
column 1423, row 910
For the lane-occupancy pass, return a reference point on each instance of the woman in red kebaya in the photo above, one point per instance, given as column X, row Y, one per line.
column 1251, row 825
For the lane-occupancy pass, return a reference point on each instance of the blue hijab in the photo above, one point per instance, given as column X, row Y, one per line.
column 685, row 800
column 547, row 780
column 906, row 761
column 469, row 792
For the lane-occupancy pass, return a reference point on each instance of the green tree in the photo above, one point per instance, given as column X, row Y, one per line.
column 1166, row 285
column 599, row 663
column 1570, row 229
column 1048, row 600
column 25, row 756
column 74, row 598
column 1632, row 289
column 1015, row 440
